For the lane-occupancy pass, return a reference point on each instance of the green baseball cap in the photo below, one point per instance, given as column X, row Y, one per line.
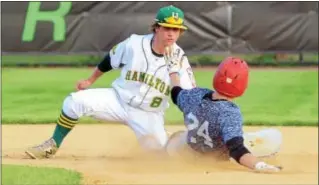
column 170, row 16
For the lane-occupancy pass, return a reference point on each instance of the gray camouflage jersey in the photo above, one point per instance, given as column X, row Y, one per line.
column 210, row 123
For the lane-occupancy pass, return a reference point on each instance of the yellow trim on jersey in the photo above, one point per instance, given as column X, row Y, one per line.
column 113, row 49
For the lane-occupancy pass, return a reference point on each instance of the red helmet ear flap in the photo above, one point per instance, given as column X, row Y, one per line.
column 231, row 77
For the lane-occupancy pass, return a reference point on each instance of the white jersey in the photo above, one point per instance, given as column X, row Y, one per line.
column 144, row 82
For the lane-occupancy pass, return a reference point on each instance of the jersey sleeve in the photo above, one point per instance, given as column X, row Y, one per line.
column 188, row 98
column 187, row 78
column 231, row 124
column 117, row 54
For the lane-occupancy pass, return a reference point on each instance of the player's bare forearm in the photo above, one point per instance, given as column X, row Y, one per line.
column 84, row 84
column 252, row 162
column 248, row 160
column 175, row 79
column 240, row 153
column 95, row 75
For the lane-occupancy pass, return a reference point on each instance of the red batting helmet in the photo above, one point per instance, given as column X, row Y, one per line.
column 231, row 77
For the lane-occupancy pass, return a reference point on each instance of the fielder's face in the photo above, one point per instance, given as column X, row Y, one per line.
column 168, row 36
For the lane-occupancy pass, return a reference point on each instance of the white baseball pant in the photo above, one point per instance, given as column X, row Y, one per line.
column 104, row 104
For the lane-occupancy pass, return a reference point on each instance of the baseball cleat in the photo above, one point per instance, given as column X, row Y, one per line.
column 263, row 143
column 44, row 150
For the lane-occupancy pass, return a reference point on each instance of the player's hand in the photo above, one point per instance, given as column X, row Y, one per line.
column 83, row 84
column 173, row 59
column 262, row 167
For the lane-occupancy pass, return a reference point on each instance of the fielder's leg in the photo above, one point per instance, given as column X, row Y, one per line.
column 177, row 147
column 176, row 143
column 263, row 143
column 148, row 128
column 64, row 125
column 102, row 104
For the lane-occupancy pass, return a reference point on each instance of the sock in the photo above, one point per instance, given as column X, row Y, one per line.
column 63, row 127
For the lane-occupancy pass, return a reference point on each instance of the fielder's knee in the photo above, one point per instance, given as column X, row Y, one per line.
column 176, row 143
column 72, row 108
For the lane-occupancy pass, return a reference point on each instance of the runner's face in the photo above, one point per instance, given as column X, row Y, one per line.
column 168, row 36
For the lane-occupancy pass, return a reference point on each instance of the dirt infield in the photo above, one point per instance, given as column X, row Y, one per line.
column 108, row 154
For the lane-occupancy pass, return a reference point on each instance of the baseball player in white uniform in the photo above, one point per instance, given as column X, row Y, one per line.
column 139, row 96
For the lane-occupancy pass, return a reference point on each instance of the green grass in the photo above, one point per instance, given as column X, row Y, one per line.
column 48, row 58
column 278, row 97
column 290, row 59
column 18, row 175
column 273, row 97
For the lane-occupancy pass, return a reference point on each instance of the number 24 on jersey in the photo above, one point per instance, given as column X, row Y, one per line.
column 202, row 129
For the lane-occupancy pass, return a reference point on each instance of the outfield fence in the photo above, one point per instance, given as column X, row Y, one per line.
column 80, row 33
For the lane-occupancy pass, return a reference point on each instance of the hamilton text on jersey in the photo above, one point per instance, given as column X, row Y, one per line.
column 149, row 80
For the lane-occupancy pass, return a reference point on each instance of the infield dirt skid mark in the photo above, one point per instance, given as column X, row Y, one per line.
column 110, row 154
